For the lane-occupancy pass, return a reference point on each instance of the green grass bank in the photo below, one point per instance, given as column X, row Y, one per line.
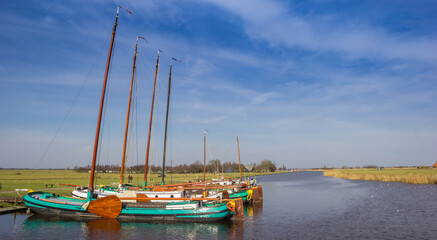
column 12, row 179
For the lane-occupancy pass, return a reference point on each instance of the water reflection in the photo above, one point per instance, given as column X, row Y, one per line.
column 103, row 229
column 39, row 226
column 304, row 205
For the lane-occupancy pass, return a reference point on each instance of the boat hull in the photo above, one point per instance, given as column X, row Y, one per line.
column 153, row 195
column 48, row 204
column 57, row 209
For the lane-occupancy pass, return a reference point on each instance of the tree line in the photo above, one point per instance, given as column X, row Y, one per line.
column 196, row 167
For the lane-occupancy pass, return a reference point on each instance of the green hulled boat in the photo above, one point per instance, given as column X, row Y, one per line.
column 135, row 208
column 51, row 204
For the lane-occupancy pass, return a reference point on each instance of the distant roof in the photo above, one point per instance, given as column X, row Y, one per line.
column 250, row 167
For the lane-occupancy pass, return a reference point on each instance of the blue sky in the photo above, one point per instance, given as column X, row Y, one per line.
column 302, row 83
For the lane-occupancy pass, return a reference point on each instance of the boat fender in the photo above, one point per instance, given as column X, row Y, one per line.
column 85, row 206
column 231, row 206
column 249, row 194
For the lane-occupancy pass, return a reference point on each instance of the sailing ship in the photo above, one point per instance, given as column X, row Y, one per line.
column 124, row 190
column 139, row 206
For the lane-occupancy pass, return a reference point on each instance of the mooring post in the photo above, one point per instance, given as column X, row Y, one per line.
column 260, row 192
column 255, row 196
column 239, row 209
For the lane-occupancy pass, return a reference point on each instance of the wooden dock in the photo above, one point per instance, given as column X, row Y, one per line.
column 12, row 209
column 17, row 200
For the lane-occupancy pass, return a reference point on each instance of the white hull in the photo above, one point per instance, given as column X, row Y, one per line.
column 153, row 195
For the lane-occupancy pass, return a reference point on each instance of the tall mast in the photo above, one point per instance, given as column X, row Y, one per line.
column 123, row 161
column 239, row 162
column 150, row 121
column 204, row 155
column 102, row 101
column 166, row 120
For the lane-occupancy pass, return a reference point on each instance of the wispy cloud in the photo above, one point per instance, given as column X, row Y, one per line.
column 303, row 83
column 276, row 23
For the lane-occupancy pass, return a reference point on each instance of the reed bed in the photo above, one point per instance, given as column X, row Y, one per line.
column 403, row 175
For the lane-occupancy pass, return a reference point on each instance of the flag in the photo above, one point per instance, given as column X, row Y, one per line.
column 125, row 9
column 176, row 59
column 144, row 39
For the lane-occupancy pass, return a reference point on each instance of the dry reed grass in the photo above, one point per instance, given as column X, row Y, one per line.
column 408, row 175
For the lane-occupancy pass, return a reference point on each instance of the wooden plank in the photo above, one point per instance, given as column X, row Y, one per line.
column 11, row 199
column 12, row 209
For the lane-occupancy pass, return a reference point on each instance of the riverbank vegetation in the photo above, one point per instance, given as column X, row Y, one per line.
column 196, row 167
column 404, row 175
column 47, row 180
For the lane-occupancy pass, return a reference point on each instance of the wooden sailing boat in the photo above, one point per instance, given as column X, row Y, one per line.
column 129, row 190
column 111, row 206
column 246, row 189
column 105, row 207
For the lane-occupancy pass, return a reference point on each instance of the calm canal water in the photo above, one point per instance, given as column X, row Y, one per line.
column 303, row 205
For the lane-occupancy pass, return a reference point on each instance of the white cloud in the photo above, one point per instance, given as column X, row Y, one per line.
column 273, row 22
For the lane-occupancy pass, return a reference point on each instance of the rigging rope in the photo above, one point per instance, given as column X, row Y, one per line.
column 71, row 106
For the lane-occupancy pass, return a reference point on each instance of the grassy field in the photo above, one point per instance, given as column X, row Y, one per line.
column 43, row 179
column 403, row 175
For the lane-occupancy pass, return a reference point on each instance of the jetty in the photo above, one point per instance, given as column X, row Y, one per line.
column 12, row 209
column 14, row 200
column 17, row 201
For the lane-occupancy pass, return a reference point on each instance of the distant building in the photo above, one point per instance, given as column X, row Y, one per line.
column 250, row 168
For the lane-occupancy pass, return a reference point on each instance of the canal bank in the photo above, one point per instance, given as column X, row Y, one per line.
column 298, row 205
column 402, row 175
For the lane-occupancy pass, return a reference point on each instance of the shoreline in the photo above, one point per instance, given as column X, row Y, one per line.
column 47, row 180
column 402, row 175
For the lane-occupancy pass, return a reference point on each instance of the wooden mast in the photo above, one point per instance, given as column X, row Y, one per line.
column 150, row 122
column 99, row 120
column 123, row 160
column 166, row 119
column 166, row 123
column 204, row 155
column 239, row 162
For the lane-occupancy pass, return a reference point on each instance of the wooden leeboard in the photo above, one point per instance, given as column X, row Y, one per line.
column 106, row 207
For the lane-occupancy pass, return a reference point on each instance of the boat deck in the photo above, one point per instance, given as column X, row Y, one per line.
column 50, row 197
